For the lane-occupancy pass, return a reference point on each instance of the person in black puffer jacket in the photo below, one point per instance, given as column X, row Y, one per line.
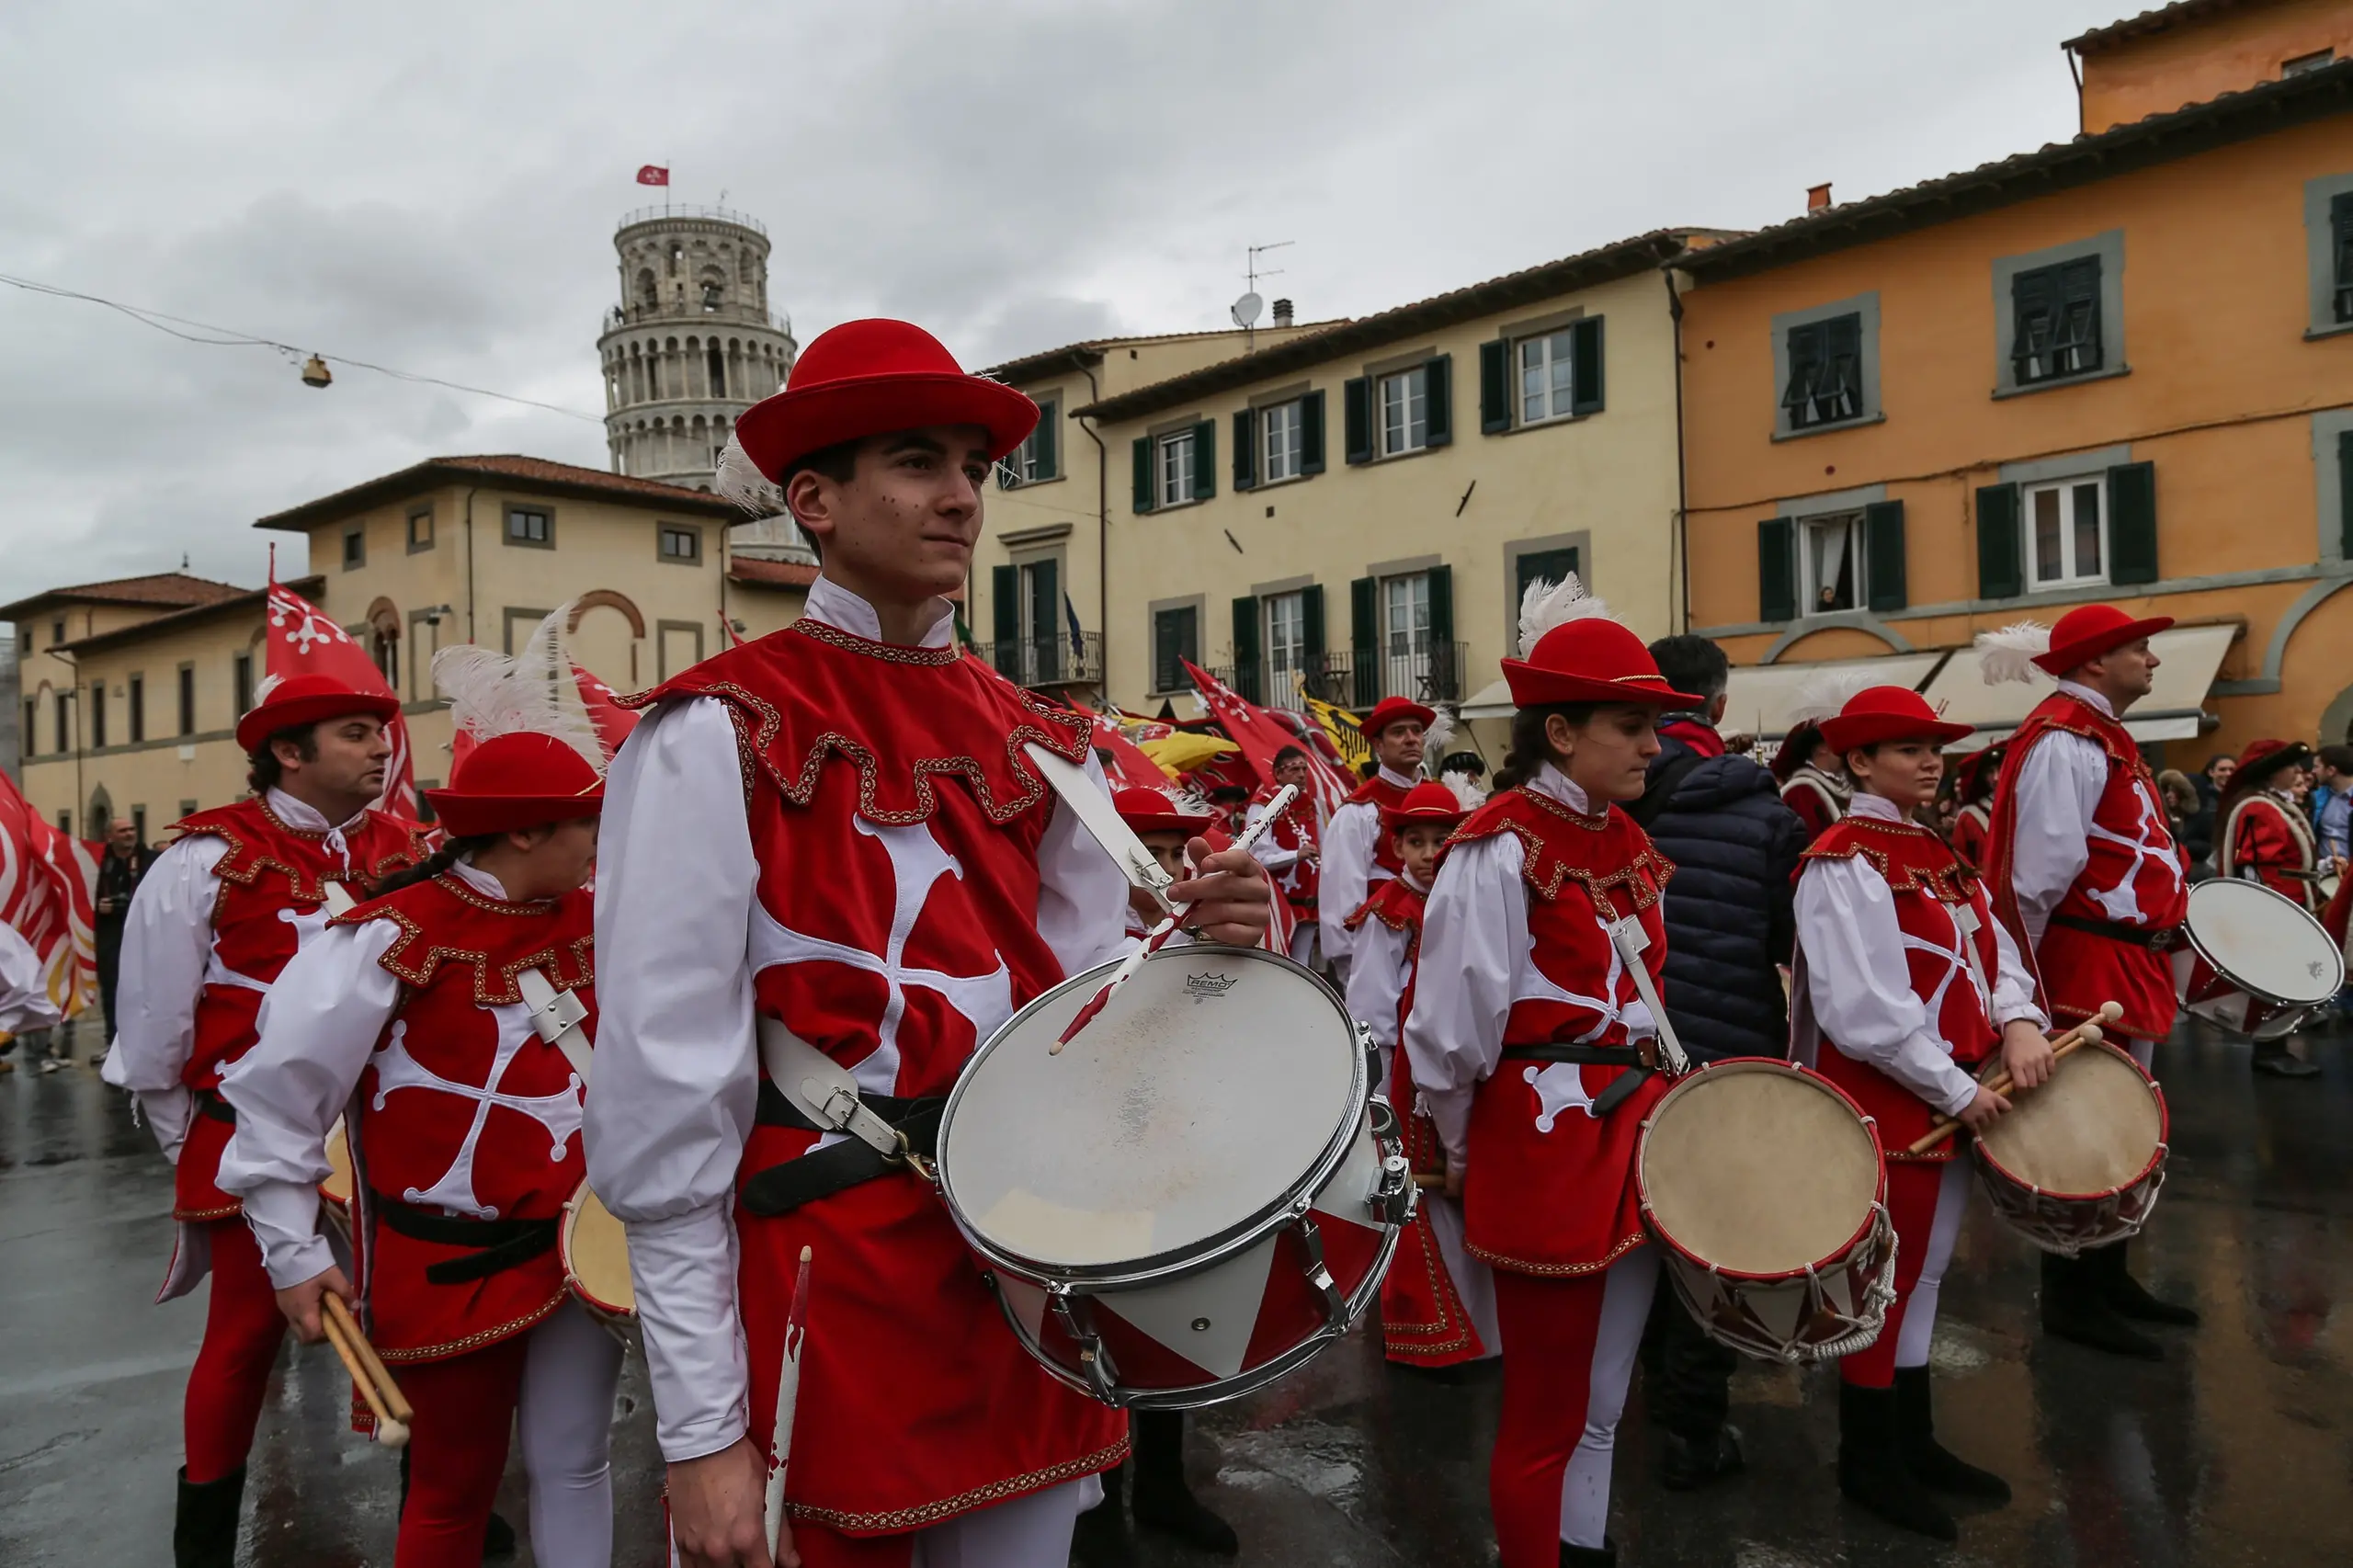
column 1730, row 926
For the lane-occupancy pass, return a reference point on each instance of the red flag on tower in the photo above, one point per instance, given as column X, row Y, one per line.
column 302, row 640
column 652, row 173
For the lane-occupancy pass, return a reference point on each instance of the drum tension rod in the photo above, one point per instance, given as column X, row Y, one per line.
column 1335, row 1306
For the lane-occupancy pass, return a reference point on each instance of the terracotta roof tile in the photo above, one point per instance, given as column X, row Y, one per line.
column 539, row 475
column 2153, row 20
column 769, row 574
column 173, row 590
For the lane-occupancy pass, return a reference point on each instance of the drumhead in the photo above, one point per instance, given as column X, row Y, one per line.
column 2091, row 1131
column 596, row 1253
column 1202, row 1099
column 2264, row 943
column 339, row 1183
column 1756, row 1167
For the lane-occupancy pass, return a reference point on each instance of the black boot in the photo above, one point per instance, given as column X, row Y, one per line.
column 1602, row 1556
column 2128, row 1298
column 204, row 1527
column 1101, row 1539
column 1691, row 1463
column 1935, row 1466
column 2272, row 1057
column 497, row 1537
column 1162, row 1499
column 2073, row 1308
column 1873, row 1473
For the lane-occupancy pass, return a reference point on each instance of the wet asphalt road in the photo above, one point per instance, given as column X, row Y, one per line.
column 2238, row 1449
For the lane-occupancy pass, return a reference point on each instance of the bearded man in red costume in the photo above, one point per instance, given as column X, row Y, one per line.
column 1357, row 854
column 2086, row 874
column 223, row 911
column 831, row 842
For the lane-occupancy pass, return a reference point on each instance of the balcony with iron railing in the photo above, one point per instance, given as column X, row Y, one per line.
column 670, row 211
column 1046, row 661
column 1431, row 672
column 694, row 310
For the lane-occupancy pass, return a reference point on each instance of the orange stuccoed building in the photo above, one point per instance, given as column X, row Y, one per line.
column 2120, row 368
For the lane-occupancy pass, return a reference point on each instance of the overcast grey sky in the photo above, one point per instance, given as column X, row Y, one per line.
column 435, row 187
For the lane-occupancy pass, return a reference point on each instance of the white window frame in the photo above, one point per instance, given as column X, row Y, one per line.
column 1173, row 457
column 1283, row 646
column 1282, row 445
column 1556, row 369
column 1405, row 393
column 1403, row 646
column 2068, row 490
column 1810, row 561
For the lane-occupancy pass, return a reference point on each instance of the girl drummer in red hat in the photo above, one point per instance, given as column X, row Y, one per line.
column 1905, row 972
column 2264, row 837
column 1540, row 1055
column 447, row 1022
column 1437, row 1302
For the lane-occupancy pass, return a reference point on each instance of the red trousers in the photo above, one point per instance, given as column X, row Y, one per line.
column 242, row 1328
column 1571, row 1345
column 457, row 1451
column 1924, row 1201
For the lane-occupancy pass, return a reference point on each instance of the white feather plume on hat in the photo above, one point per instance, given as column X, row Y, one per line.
column 740, row 480
column 2009, row 653
column 1436, row 738
column 533, row 691
column 1546, row 605
column 1825, row 693
column 1466, row 792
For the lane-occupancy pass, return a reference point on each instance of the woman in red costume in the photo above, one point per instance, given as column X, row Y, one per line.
column 2264, row 837
column 1972, row 817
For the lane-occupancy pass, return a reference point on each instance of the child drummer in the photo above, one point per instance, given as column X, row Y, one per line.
column 1907, row 978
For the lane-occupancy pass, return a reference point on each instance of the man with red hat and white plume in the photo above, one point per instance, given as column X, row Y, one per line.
column 2086, row 874
column 446, row 1023
column 1356, row 852
column 1906, row 975
column 223, row 911
column 2264, row 837
column 1438, row 1304
column 831, row 843
column 1291, row 849
column 1540, row 1055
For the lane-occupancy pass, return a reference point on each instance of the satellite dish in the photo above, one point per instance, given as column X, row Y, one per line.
column 1246, row 309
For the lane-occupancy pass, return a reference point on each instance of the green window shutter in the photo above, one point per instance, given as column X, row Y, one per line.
column 1356, row 400
column 1004, row 610
column 1883, row 554
column 1445, row 676
column 1585, row 362
column 1495, row 387
column 2345, row 487
column 1776, row 570
column 1205, row 459
column 1046, row 620
column 2001, row 557
column 1046, row 440
column 1245, row 649
column 1364, row 641
column 1310, row 433
column 1440, row 374
column 2133, row 522
column 1246, row 450
column 1311, row 620
column 1144, row 473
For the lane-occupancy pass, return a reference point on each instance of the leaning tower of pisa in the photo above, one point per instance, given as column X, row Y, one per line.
column 692, row 345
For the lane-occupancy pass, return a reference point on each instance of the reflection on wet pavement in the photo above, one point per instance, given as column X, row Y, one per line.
column 2233, row 1451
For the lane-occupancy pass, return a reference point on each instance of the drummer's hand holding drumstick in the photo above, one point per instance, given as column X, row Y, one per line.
column 1982, row 1109
column 716, row 1507
column 2026, row 1055
column 302, row 1305
column 1228, row 891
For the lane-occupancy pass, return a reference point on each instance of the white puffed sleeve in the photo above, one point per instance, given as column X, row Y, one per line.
column 24, row 994
column 166, row 945
column 2059, row 787
column 1474, row 932
column 1347, row 875
column 1859, row 982
column 1377, row 979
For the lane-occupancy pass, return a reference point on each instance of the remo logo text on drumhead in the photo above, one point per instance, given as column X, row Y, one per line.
column 1196, row 1196
column 2256, row 964
column 595, row 1250
column 1765, row 1186
column 2078, row 1162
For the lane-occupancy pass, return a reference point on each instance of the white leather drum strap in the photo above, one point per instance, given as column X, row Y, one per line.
column 821, row 1090
column 1628, row 937
column 1964, row 918
column 557, row 1016
column 1096, row 815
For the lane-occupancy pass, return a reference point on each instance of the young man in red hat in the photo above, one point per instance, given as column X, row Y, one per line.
column 1540, row 1055
column 1813, row 784
column 1437, row 1302
column 1356, row 852
column 830, row 842
column 2085, row 873
column 1907, row 977
column 1291, row 849
column 224, row 908
column 436, row 1015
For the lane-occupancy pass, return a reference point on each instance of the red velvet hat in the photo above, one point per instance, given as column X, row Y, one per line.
column 1970, row 770
column 309, row 699
column 1592, row 659
column 518, row 780
column 868, row 377
column 1797, row 750
column 2087, row 631
column 1887, row 713
column 1394, row 711
column 1429, row 803
column 1149, row 811
column 2263, row 758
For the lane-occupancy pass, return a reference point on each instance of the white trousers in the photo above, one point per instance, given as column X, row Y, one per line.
column 1920, row 1313
column 1625, row 1309
column 1029, row 1532
column 1474, row 1280
column 564, row 1420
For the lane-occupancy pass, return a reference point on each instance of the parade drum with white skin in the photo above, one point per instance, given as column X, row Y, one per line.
column 2255, row 963
column 2078, row 1161
column 595, row 1251
column 1766, row 1192
column 1196, row 1194
column 336, row 1191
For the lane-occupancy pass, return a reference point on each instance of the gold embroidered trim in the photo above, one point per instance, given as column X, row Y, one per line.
column 1545, row 871
column 549, row 960
column 1442, row 1291
column 198, row 1216
column 476, row 1341
column 1555, row 1270
column 235, row 866
column 1950, row 883
column 890, row 653
column 896, row 1520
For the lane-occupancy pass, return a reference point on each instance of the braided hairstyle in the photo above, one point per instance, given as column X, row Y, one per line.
column 1530, row 750
column 451, row 851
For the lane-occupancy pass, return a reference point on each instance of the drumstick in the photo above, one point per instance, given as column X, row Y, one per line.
column 788, row 1398
column 1168, row 928
column 2088, row 1032
column 390, row 1430
column 394, row 1401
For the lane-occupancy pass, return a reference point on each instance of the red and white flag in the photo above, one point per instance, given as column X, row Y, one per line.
column 49, row 893
column 1130, row 767
column 302, row 640
column 613, row 721
column 652, row 173
column 1260, row 735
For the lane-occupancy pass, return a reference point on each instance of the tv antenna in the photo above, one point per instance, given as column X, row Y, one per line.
column 1245, row 308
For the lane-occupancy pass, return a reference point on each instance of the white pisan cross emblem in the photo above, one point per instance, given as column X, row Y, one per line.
column 218, row 973
column 1560, row 1085
column 918, row 862
column 559, row 1113
column 2152, row 844
column 1959, row 959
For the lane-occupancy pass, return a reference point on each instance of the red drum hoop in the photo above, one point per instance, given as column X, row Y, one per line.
column 595, row 1251
column 2079, row 1162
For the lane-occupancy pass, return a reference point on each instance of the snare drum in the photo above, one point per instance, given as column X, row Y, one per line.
column 2256, row 964
column 595, row 1251
column 336, row 1191
column 1197, row 1195
column 1765, row 1189
column 2078, row 1161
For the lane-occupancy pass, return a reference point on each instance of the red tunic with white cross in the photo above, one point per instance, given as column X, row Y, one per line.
column 273, row 894
column 1383, row 796
column 896, row 826
column 464, row 1111
column 2266, row 836
column 1295, row 831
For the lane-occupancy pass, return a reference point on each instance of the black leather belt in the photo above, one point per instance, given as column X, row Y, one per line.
column 496, row 1244
column 2157, row 938
column 787, row 1185
column 1638, row 1072
column 210, row 1103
